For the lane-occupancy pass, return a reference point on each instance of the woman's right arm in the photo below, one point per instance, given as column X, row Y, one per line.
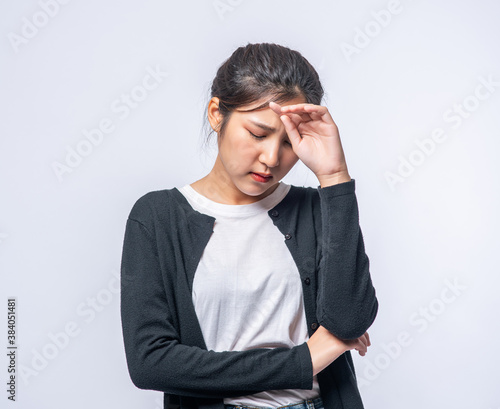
column 157, row 360
column 325, row 347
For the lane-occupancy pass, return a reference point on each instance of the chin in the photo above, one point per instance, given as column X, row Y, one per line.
column 254, row 190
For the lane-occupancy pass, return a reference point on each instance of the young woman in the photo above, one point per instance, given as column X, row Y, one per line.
column 239, row 290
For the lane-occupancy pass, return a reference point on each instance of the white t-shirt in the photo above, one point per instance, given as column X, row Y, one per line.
column 247, row 290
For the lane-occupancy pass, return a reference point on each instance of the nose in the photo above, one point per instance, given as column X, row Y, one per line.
column 270, row 154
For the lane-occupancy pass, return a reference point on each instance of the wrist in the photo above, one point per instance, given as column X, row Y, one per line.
column 324, row 348
column 334, row 179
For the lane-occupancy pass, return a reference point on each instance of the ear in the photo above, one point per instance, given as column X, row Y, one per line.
column 214, row 115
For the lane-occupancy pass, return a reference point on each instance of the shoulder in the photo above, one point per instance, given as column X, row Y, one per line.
column 302, row 208
column 302, row 204
column 304, row 196
column 151, row 205
column 302, row 191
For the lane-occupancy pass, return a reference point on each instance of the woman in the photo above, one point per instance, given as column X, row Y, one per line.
column 239, row 290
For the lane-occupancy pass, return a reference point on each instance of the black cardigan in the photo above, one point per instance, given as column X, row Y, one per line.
column 164, row 347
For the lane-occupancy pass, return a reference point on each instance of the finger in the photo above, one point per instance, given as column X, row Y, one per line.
column 291, row 130
column 317, row 111
column 365, row 339
column 298, row 118
column 297, row 107
column 320, row 112
column 305, row 108
column 293, row 112
column 362, row 339
column 363, row 348
column 275, row 107
column 363, row 342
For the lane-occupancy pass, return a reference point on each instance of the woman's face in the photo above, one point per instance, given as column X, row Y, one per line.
column 241, row 154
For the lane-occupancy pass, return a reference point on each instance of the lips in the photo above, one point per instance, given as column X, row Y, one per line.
column 264, row 175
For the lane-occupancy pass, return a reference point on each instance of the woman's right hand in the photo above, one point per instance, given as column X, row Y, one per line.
column 325, row 347
column 360, row 344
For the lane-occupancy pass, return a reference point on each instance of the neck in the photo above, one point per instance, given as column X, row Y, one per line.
column 218, row 186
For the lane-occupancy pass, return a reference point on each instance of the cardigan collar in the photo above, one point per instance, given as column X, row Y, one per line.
column 204, row 220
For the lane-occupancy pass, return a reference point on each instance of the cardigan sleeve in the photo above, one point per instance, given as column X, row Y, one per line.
column 346, row 300
column 156, row 358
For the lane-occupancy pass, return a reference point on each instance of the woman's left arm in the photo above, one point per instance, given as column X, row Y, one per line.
column 346, row 302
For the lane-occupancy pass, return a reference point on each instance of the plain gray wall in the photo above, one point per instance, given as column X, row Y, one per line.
column 405, row 83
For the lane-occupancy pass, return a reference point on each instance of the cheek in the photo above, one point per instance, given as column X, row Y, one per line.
column 244, row 151
column 290, row 158
column 237, row 143
column 238, row 155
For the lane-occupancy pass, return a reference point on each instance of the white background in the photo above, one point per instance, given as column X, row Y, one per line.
column 435, row 228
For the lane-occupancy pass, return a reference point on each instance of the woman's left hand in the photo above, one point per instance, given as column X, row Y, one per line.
column 315, row 139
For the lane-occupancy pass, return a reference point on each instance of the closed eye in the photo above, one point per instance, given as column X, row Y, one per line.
column 263, row 136
column 257, row 136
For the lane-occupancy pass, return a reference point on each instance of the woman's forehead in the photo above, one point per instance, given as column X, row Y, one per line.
column 263, row 103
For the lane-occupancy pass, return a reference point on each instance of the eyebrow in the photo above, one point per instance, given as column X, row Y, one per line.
column 263, row 126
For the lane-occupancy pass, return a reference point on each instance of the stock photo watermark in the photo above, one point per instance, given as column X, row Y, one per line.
column 11, row 348
column 122, row 106
column 455, row 116
column 222, row 7
column 421, row 320
column 364, row 36
column 87, row 311
column 30, row 27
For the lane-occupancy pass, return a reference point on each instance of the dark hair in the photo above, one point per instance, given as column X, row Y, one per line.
column 256, row 71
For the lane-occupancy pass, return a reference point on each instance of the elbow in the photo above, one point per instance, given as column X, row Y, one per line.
column 140, row 377
column 145, row 379
column 149, row 364
column 136, row 364
column 354, row 325
column 143, row 373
